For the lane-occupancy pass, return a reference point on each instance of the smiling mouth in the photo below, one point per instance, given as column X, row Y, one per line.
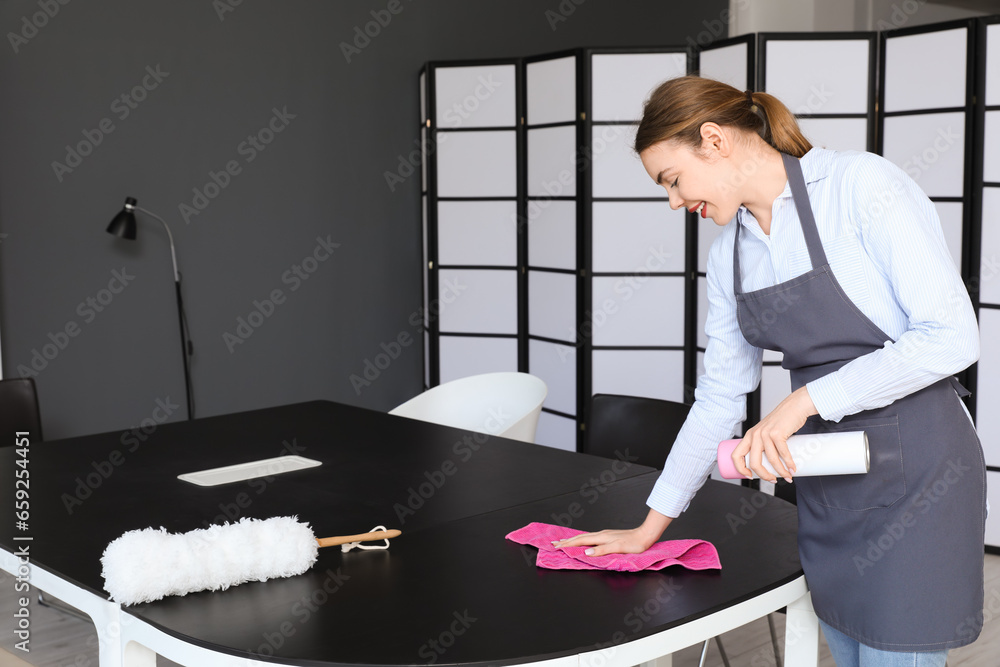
column 700, row 208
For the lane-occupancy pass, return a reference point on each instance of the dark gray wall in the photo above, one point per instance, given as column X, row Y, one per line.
column 321, row 176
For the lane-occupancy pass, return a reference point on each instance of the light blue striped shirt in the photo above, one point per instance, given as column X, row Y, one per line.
column 883, row 239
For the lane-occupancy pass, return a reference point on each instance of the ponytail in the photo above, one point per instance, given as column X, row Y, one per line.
column 677, row 109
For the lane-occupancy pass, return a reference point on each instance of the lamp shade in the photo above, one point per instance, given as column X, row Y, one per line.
column 123, row 224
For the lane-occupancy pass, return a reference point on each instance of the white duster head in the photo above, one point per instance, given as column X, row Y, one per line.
column 146, row 565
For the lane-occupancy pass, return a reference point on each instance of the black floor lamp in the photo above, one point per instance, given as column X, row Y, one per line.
column 123, row 226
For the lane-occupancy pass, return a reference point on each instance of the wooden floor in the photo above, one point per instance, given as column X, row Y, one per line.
column 59, row 640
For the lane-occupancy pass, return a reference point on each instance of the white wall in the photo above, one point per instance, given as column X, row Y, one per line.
column 826, row 15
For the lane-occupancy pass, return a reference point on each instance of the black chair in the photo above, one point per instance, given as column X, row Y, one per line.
column 646, row 427
column 19, row 412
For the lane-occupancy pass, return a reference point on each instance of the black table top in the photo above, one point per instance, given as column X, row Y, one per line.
column 450, row 590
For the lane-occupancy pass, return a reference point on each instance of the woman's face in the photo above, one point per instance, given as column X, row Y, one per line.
column 700, row 184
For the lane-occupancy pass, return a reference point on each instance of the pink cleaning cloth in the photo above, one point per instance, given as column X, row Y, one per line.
column 692, row 554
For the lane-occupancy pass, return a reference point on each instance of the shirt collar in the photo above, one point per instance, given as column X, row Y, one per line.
column 815, row 167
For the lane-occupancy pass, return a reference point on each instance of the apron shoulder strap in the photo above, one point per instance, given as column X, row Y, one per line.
column 800, row 196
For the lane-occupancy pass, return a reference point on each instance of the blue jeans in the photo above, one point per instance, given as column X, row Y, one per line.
column 850, row 653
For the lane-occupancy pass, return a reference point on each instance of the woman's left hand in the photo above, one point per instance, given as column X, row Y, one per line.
column 768, row 438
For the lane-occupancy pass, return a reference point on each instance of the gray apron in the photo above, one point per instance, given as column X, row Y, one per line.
column 893, row 558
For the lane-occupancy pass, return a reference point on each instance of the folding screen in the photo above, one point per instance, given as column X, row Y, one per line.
column 472, row 135
column 828, row 82
column 985, row 258
column 555, row 243
column 638, row 252
column 548, row 247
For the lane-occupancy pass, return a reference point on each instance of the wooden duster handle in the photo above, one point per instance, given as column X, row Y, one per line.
column 363, row 537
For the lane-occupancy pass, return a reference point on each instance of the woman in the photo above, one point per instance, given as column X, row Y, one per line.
column 837, row 260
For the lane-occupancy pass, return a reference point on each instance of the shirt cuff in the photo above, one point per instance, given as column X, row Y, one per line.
column 668, row 500
column 829, row 397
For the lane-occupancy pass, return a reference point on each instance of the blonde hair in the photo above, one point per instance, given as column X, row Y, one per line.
column 677, row 109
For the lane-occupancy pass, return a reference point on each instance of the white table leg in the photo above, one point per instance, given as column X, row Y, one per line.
column 801, row 634
column 662, row 661
column 137, row 655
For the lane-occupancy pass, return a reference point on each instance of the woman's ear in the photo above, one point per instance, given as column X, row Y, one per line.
column 715, row 141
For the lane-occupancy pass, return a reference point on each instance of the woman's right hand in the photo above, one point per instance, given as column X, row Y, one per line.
column 630, row 541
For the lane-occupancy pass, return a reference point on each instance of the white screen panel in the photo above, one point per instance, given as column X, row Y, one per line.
column 617, row 170
column 556, row 431
column 480, row 96
column 427, row 359
column 552, row 234
column 477, row 232
column 914, row 60
column 993, row 68
column 631, row 236
column 775, row 385
column 552, row 91
column 477, row 164
column 950, row 214
column 622, row 81
column 839, row 134
column 989, row 278
column 727, row 64
column 702, row 311
column 556, row 365
column 988, row 378
column 462, row 356
column 991, row 159
column 707, row 233
column 552, row 162
column 931, row 149
column 819, row 76
column 425, row 257
column 650, row 373
column 423, row 97
column 478, row 301
column 638, row 310
column 552, row 305
column 993, row 520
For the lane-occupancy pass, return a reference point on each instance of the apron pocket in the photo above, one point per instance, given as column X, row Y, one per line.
column 881, row 486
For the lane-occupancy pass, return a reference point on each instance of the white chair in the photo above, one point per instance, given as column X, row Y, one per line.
column 504, row 404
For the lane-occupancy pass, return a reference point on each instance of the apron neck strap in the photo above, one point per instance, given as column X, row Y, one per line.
column 800, row 196
column 797, row 183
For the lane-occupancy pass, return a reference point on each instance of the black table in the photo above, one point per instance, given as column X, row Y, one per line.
column 450, row 590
